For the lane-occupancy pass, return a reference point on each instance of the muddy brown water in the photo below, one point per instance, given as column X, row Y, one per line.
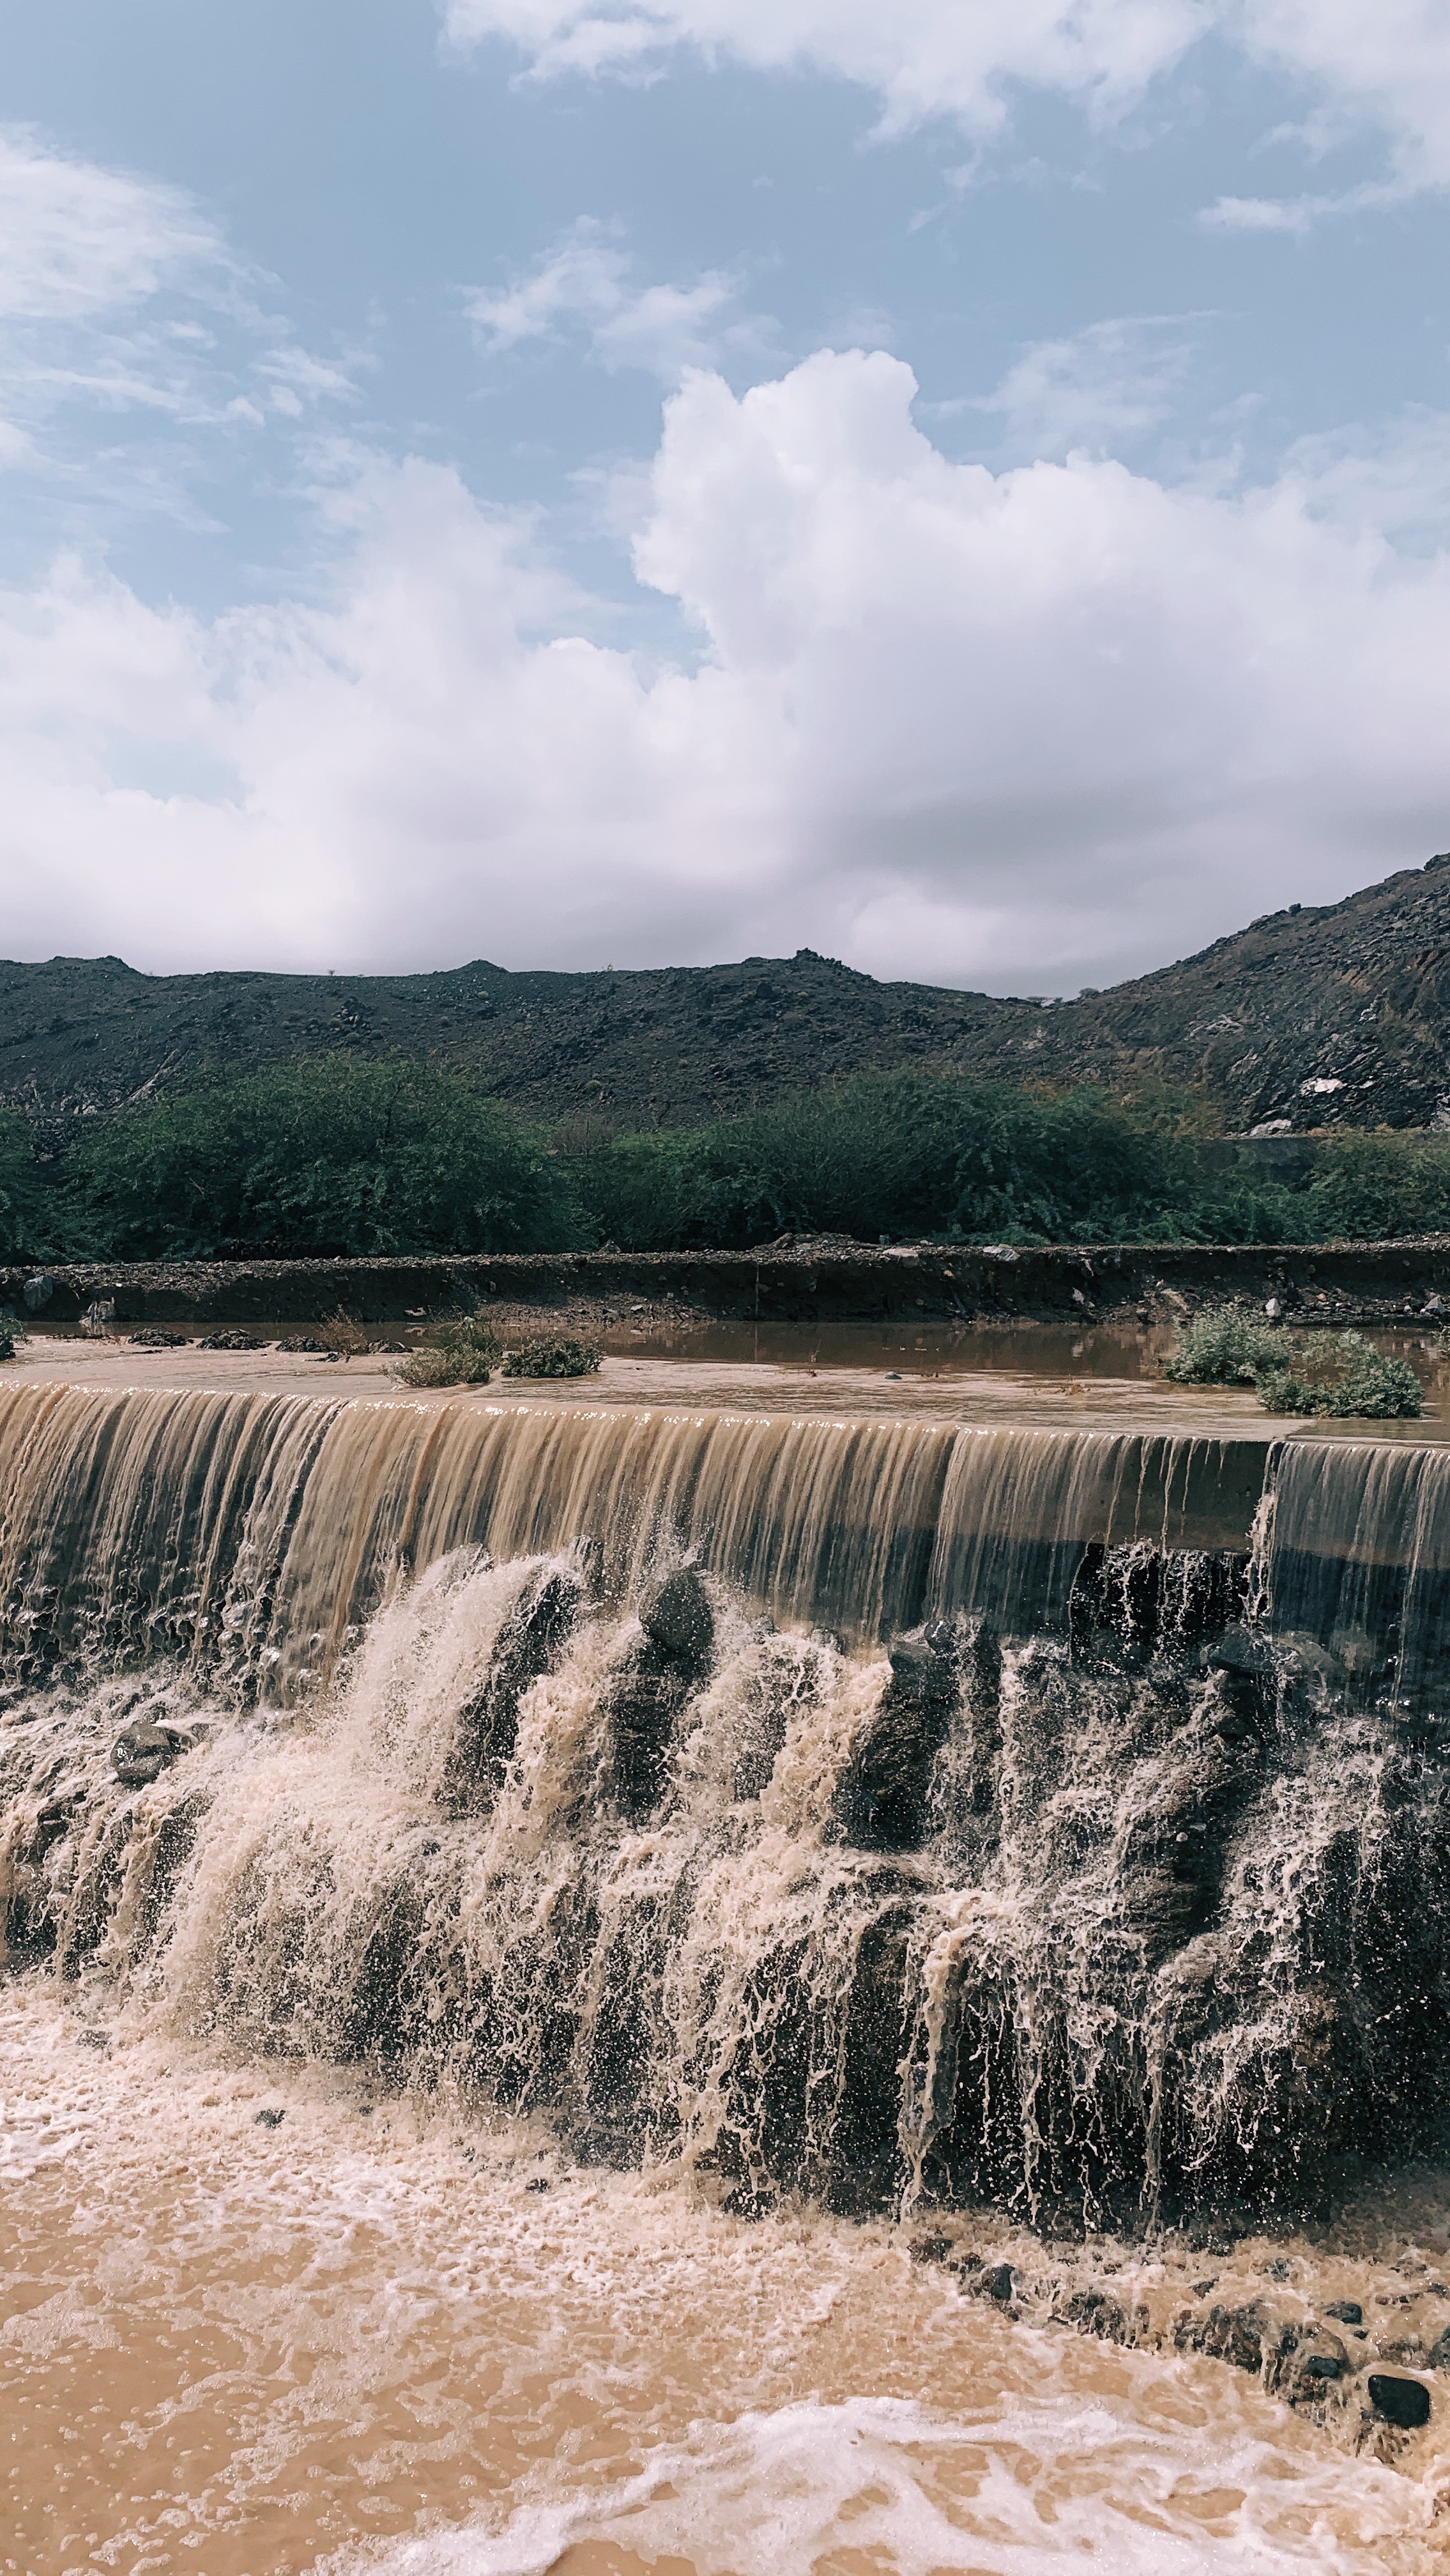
column 262, row 2313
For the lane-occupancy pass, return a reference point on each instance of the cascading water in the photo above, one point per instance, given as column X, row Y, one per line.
column 895, row 1815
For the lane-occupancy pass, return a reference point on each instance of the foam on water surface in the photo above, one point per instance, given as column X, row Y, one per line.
column 499, row 2072
column 1021, row 2490
column 367, row 2343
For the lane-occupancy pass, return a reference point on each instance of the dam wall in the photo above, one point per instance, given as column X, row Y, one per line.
column 879, row 1815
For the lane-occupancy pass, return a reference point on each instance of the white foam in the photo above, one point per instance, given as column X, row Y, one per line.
column 1025, row 2490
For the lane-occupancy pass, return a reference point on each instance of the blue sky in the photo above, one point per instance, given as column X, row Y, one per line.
column 961, row 488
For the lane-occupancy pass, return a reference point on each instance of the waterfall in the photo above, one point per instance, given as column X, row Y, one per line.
column 894, row 1814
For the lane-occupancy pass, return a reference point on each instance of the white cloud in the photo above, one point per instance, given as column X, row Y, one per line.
column 588, row 279
column 119, row 299
column 1382, row 62
column 1022, row 728
column 78, row 240
column 1103, row 389
column 923, row 57
column 1378, row 63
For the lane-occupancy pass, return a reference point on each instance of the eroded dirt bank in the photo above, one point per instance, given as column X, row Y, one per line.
column 799, row 1280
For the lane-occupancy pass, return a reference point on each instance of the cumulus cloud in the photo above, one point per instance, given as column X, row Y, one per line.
column 588, row 280
column 1386, row 66
column 1020, row 729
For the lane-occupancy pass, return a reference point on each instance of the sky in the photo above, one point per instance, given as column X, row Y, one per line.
column 963, row 486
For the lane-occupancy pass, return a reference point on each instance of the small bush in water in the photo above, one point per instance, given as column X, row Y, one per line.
column 1225, row 1346
column 547, row 1355
column 461, row 1351
column 12, row 1335
column 344, row 1333
column 1338, row 1373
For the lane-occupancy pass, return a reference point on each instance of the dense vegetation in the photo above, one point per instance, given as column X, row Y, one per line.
column 1330, row 1373
column 344, row 1157
column 332, row 1157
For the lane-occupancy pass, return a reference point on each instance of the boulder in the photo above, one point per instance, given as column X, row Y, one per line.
column 1093, row 2312
column 38, row 1292
column 882, row 1798
column 1402, row 2402
column 675, row 1615
column 141, row 1752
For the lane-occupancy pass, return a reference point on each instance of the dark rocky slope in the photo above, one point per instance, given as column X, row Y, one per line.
column 1325, row 1015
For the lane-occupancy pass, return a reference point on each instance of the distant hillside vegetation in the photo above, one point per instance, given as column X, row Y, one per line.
column 1325, row 1015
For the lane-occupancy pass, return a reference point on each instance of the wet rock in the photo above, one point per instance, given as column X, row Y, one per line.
column 38, row 1291
column 675, row 1615
column 268, row 2119
column 141, row 1753
column 1309, row 2364
column 643, row 1703
column 231, row 1342
column 527, row 1645
column 1236, row 2335
column 882, row 1797
column 1241, row 1650
column 1404, row 2403
column 746, row 2202
column 998, row 2283
column 1348, row 2312
column 1094, row 2313
column 648, row 1692
column 934, row 2248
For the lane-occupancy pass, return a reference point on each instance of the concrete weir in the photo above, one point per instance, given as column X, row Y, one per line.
column 886, row 1812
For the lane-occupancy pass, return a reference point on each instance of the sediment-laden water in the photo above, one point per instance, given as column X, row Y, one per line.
column 1002, row 1874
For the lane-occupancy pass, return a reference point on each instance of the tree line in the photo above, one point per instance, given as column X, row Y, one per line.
column 341, row 1157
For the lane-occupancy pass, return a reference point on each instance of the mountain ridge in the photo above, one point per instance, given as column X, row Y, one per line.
column 1321, row 1015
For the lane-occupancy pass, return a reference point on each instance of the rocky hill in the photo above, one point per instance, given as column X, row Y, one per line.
column 1324, row 1015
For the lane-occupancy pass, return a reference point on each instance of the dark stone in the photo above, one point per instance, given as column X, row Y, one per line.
column 141, row 1753
column 1348, row 2312
column 744, row 2202
column 1438, row 2356
column 38, row 1292
column 527, row 1645
column 676, row 1616
column 882, row 1798
column 268, row 2119
column 1093, row 2312
column 643, row 1703
column 1241, row 1650
column 539, row 2183
column 1228, row 2334
column 1404, row 2402
column 1322, row 2365
column 930, row 2249
column 998, row 2283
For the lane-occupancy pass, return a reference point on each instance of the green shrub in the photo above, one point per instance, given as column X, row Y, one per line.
column 1371, row 1188
column 27, row 1209
column 335, row 1157
column 1227, row 1346
column 908, row 1154
column 12, row 1334
column 460, row 1351
column 1339, row 1374
column 547, row 1355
